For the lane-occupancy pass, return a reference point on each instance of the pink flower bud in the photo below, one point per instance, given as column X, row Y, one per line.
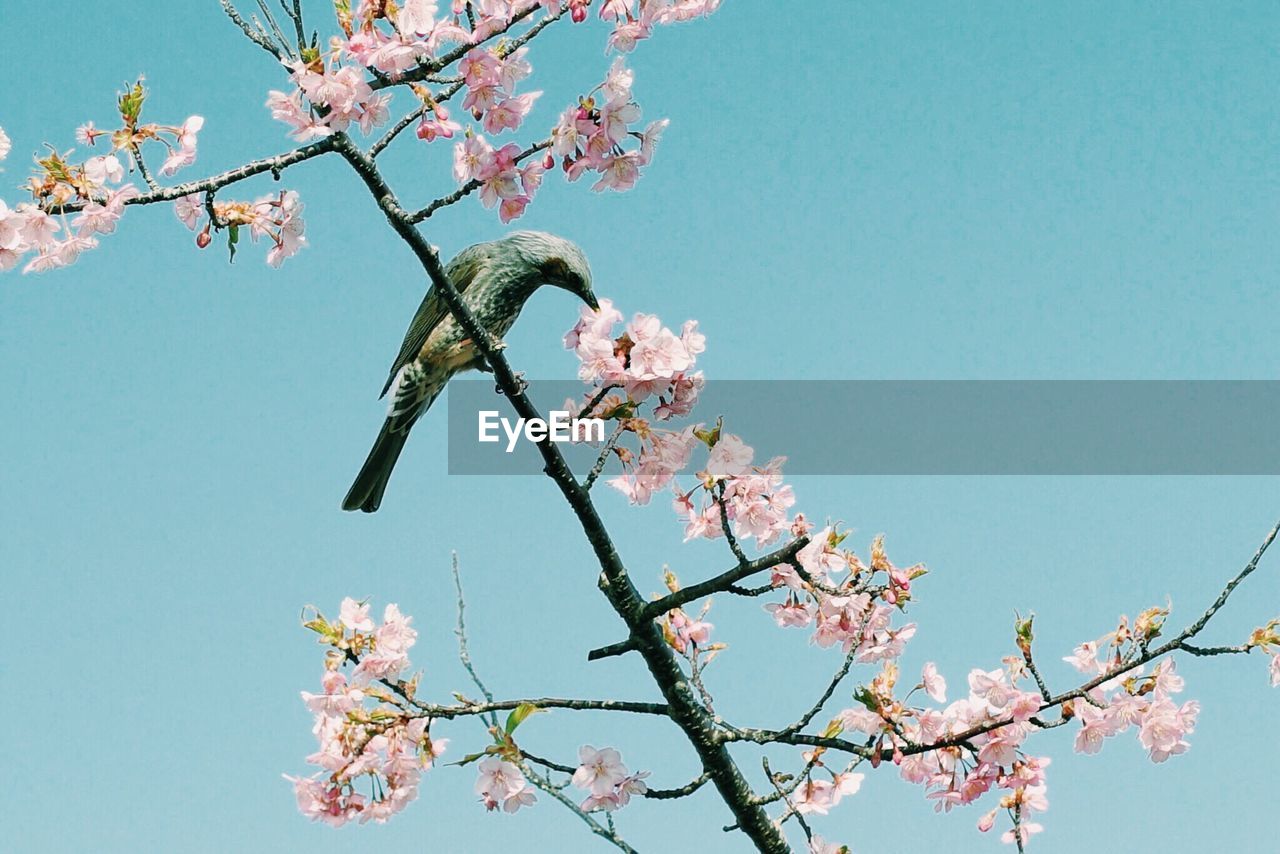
column 203, row 239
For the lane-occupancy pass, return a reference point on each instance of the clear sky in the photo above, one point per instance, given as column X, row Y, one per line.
column 864, row 190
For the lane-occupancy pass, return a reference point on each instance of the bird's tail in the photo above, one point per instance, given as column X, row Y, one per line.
column 366, row 493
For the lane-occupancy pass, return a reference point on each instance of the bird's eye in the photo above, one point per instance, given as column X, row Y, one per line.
column 556, row 270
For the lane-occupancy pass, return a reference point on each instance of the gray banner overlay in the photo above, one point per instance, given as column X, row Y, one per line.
column 1016, row 427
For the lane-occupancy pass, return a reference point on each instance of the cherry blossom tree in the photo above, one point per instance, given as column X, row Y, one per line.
column 377, row 728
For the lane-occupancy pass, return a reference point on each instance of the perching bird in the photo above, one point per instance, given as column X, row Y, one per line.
column 495, row 279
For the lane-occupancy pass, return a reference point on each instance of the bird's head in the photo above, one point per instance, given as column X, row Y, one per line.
column 559, row 262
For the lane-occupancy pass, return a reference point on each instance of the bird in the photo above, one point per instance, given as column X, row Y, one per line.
column 495, row 280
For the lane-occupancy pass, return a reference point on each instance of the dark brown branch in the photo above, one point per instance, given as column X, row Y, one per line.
column 469, row 709
column 619, row 648
column 274, row 165
column 722, row 582
column 685, row 595
column 681, row 792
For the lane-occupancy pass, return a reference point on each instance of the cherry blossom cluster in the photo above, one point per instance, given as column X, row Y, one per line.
column 93, row 187
column 277, row 218
column 501, row 783
column 384, row 744
column 849, row 604
column 327, row 100
column 647, row 362
column 634, row 21
column 606, row 780
column 372, row 730
column 991, row 724
column 591, row 134
column 502, row 180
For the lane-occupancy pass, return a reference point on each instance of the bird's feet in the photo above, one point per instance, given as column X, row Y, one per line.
column 522, row 385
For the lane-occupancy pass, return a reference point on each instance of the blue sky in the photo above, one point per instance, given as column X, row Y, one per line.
column 975, row 191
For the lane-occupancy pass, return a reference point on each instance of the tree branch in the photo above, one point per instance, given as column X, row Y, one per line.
column 255, row 36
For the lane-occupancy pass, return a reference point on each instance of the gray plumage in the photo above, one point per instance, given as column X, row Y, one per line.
column 495, row 280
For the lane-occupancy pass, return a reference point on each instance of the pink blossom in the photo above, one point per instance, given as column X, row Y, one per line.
column 355, row 615
column 510, row 209
column 618, row 172
column 1085, row 657
column 5, row 144
column 37, row 227
column 731, row 457
column 818, row 845
column 688, row 630
column 625, row 36
column 933, row 683
column 1165, row 726
column 508, row 113
column 185, row 154
column 600, row 772
column 12, row 225
column 417, row 17
column 791, row 613
column 1167, row 681
column 103, row 170
column 1024, row 832
column 1274, row 670
column 1024, row 705
column 189, row 209
column 498, row 779
column 991, row 686
column 87, row 134
column 438, row 126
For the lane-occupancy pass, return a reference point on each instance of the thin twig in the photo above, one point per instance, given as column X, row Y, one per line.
column 464, row 654
column 136, row 151
column 728, row 531
column 835, row 681
column 786, row 797
column 413, row 115
column 275, row 28
column 597, row 828
column 253, row 35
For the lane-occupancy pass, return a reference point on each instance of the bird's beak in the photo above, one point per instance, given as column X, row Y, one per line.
column 590, row 299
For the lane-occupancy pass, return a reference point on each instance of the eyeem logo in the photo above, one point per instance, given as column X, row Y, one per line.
column 560, row 428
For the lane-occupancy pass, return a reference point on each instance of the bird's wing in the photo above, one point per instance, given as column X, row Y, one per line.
column 462, row 271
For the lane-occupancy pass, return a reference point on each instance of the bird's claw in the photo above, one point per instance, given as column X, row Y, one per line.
column 522, row 385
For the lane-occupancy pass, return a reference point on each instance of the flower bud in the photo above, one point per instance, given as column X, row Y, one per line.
column 203, row 239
